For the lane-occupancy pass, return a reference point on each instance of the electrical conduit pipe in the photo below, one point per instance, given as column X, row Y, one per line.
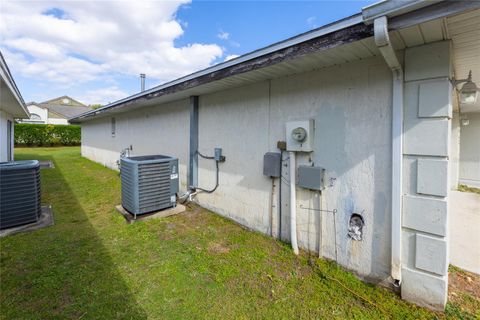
column 382, row 41
column 293, row 203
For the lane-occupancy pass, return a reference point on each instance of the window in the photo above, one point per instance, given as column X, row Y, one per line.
column 34, row 116
column 113, row 127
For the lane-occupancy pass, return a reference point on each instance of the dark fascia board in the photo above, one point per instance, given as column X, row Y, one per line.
column 338, row 33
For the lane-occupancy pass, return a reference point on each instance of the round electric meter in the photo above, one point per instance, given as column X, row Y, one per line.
column 299, row 134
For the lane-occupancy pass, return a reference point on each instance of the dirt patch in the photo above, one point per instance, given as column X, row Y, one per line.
column 464, row 282
column 464, row 290
column 289, row 269
column 218, row 248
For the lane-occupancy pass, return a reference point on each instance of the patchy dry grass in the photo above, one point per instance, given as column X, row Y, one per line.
column 196, row 265
column 463, row 294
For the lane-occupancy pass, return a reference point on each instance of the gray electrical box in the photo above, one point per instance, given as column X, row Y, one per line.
column 218, row 155
column 311, row 177
column 272, row 163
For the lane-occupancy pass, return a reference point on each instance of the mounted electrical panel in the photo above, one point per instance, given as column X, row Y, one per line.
column 272, row 164
column 311, row 177
column 299, row 135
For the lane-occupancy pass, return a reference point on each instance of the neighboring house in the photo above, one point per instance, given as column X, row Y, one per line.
column 55, row 111
column 12, row 106
column 382, row 117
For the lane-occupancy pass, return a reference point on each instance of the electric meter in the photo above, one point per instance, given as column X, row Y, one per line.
column 299, row 134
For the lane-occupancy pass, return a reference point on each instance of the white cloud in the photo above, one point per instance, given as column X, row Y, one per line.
column 311, row 22
column 231, row 56
column 103, row 96
column 92, row 40
column 223, row 35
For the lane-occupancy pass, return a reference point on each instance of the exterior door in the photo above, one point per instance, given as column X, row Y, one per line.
column 9, row 140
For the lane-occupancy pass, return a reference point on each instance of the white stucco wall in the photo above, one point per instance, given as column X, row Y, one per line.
column 351, row 108
column 470, row 151
column 455, row 151
column 344, row 101
column 155, row 130
column 5, row 141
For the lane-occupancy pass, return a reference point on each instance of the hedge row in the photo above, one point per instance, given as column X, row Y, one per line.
column 27, row 134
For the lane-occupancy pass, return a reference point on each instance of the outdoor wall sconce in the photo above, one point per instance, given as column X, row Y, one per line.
column 469, row 91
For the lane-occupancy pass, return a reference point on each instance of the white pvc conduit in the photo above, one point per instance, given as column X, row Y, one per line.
column 293, row 203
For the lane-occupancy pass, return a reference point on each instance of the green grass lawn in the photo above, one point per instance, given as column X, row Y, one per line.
column 196, row 265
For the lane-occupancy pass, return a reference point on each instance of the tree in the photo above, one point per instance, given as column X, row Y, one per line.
column 95, row 106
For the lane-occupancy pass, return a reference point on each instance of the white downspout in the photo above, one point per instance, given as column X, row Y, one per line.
column 383, row 42
column 293, row 203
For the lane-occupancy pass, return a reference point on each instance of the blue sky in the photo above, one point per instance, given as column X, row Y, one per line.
column 93, row 51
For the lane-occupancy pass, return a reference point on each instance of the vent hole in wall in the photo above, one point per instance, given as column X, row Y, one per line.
column 355, row 227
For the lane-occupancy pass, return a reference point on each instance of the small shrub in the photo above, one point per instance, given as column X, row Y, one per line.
column 27, row 134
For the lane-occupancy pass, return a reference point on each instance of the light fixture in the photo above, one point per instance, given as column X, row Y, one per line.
column 469, row 91
column 465, row 121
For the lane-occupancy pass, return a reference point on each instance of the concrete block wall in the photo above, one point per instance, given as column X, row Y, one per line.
column 426, row 173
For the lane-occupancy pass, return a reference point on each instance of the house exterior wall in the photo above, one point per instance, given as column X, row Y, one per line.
column 351, row 107
column 343, row 101
column 43, row 113
column 45, row 116
column 455, row 151
column 154, row 130
column 246, row 122
column 5, row 141
column 470, row 151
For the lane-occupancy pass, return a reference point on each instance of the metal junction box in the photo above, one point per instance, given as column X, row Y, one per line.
column 311, row 177
column 272, row 164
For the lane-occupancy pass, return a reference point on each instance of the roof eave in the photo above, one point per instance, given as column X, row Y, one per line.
column 393, row 8
column 401, row 13
column 343, row 31
column 10, row 83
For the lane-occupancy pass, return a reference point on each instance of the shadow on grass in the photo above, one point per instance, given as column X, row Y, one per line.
column 62, row 271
